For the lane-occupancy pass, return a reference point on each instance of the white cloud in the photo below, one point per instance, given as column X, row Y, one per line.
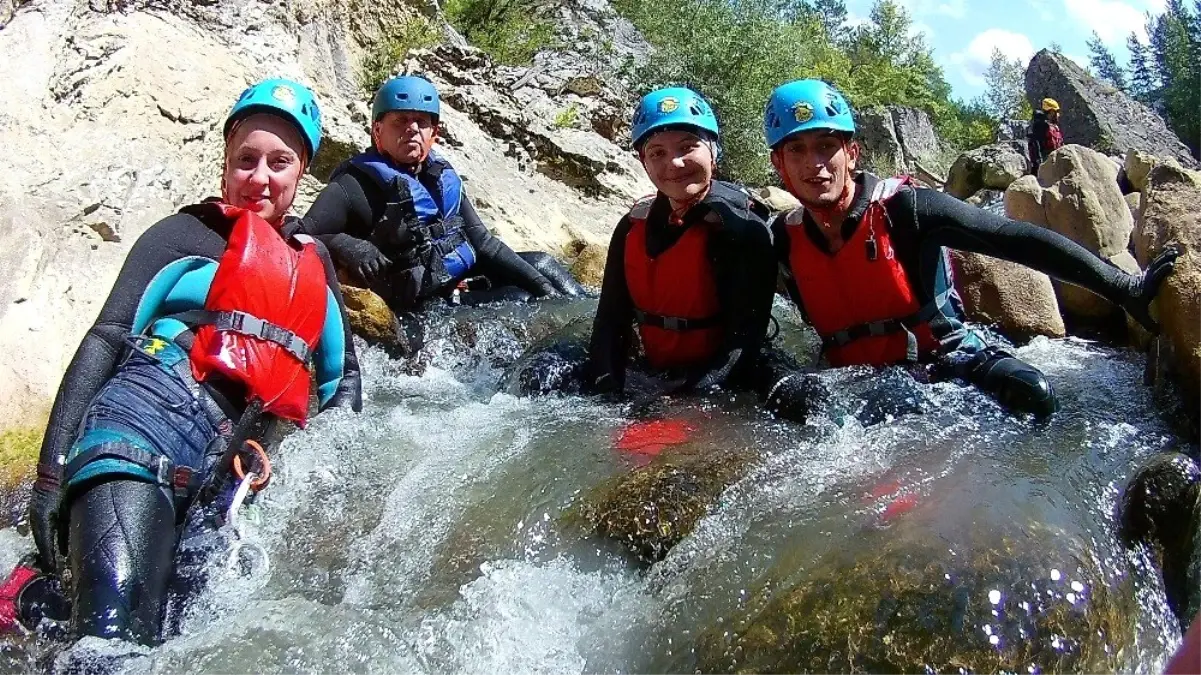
column 973, row 62
column 953, row 8
column 1113, row 20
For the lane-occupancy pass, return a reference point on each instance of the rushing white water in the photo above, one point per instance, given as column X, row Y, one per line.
column 425, row 534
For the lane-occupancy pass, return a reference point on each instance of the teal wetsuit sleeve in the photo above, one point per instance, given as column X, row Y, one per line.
column 331, row 349
column 337, row 365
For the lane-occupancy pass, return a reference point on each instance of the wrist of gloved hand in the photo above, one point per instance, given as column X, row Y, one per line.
column 1141, row 289
column 43, row 524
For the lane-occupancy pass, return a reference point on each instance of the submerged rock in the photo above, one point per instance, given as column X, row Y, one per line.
column 1161, row 508
column 652, row 508
column 910, row 605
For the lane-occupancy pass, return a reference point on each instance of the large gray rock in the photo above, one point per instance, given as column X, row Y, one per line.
column 1095, row 114
column 990, row 166
column 897, row 140
column 1011, row 130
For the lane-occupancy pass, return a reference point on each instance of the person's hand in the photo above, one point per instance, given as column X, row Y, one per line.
column 43, row 524
column 361, row 257
column 1143, row 288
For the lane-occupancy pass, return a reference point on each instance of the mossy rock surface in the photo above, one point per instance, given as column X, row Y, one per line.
column 652, row 508
column 18, row 455
column 911, row 606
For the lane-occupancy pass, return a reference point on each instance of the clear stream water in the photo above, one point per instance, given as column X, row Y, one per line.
column 424, row 535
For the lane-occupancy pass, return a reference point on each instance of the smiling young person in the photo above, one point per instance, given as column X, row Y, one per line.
column 217, row 310
column 690, row 266
column 865, row 258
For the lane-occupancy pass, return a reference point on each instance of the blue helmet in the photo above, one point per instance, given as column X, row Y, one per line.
column 407, row 92
column 673, row 107
column 802, row 105
column 284, row 98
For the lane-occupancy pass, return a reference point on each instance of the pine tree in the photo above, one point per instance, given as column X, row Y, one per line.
column 1103, row 62
column 1144, row 86
column 833, row 16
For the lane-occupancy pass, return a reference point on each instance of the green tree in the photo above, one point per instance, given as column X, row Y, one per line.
column 1105, row 65
column 509, row 30
column 735, row 52
column 1174, row 36
column 1144, row 86
column 1004, row 86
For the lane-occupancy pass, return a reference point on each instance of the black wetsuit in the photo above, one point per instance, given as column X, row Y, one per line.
column 118, row 395
column 922, row 223
column 741, row 255
column 352, row 204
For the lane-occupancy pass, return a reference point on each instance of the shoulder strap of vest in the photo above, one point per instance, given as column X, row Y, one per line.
column 641, row 209
column 886, row 188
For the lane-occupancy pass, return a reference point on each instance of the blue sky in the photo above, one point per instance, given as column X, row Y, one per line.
column 964, row 32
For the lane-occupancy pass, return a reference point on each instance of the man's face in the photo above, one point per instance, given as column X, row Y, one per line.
column 404, row 136
column 679, row 163
column 816, row 166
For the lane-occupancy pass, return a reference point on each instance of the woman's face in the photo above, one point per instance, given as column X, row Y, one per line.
column 264, row 159
column 679, row 163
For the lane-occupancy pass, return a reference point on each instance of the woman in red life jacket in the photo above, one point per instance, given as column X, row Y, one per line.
column 218, row 310
column 865, row 258
column 690, row 267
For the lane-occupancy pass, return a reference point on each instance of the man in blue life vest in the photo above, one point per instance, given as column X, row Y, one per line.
column 865, row 260
column 396, row 217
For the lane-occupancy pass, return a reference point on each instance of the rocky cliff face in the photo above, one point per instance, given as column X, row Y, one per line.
column 1096, row 114
column 111, row 120
column 896, row 140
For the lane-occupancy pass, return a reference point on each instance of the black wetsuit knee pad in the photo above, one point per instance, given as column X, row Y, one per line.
column 121, row 548
column 560, row 277
column 1017, row 385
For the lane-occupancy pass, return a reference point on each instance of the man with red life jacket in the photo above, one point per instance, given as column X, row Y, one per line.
column 865, row 258
column 218, row 310
column 397, row 219
column 690, row 266
column 1045, row 135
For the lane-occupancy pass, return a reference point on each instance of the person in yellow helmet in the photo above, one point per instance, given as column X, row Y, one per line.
column 1045, row 136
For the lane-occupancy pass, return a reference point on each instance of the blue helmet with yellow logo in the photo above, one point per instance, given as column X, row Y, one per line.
column 802, row 105
column 284, row 98
column 677, row 107
column 406, row 92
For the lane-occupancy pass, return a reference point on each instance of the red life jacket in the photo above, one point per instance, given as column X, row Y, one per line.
column 674, row 294
column 263, row 315
column 862, row 305
column 1054, row 137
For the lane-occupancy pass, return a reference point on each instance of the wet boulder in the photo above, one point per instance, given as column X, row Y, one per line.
column 589, row 264
column 553, row 364
column 1171, row 215
column 777, row 199
column 653, row 507
column 990, row 166
column 1161, row 508
column 1012, row 601
column 372, row 319
column 1077, row 195
column 1013, row 297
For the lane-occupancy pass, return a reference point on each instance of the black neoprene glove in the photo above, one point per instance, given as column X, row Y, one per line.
column 1143, row 288
column 359, row 256
column 43, row 524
